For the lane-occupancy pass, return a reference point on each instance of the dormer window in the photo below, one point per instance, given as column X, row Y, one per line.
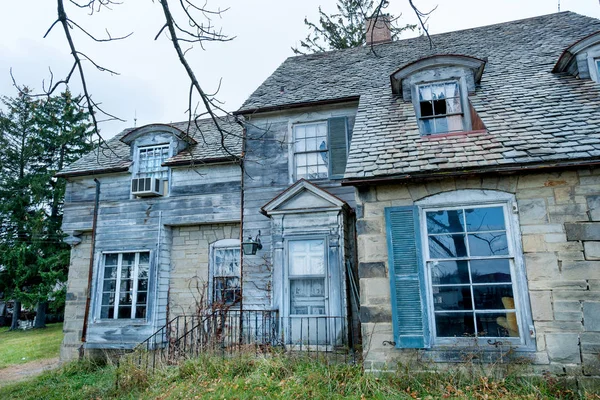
column 150, row 161
column 438, row 87
column 440, row 109
column 581, row 59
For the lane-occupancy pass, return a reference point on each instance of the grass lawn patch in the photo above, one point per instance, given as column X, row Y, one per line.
column 19, row 347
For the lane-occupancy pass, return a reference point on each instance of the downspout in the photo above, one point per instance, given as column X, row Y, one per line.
column 156, row 277
column 91, row 269
column 243, row 172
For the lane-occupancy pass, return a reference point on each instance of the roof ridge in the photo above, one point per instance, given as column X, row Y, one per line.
column 396, row 42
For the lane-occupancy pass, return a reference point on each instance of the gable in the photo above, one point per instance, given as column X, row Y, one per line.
column 302, row 197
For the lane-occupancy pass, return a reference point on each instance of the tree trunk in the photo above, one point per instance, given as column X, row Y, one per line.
column 40, row 315
column 15, row 316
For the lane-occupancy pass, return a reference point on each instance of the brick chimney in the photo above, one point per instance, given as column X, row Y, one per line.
column 378, row 29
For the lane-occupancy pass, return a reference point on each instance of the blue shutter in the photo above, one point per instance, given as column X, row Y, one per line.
column 407, row 276
column 338, row 146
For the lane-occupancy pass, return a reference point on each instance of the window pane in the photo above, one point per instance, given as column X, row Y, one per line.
column 300, row 145
column 140, row 312
column 448, row 221
column 494, row 271
column 307, row 257
column 110, row 285
column 497, row 324
column 451, row 89
column 454, row 123
column 111, row 259
column 107, row 312
column 300, row 131
column 485, row 219
column 424, row 93
column 428, row 126
column 110, row 272
column 449, row 272
column 144, row 258
column 441, row 125
column 142, row 297
column 454, row 324
column 437, row 92
column 124, row 312
column 108, row 299
column 448, row 298
column 488, row 244
column 307, row 296
column 447, row 246
column 439, row 107
column 493, row 297
column 128, row 259
column 143, row 284
column 125, row 298
column 598, row 68
column 227, row 262
column 426, row 109
column 453, row 105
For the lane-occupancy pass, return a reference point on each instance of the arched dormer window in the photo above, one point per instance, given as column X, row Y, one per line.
column 151, row 146
column 439, row 86
column 581, row 59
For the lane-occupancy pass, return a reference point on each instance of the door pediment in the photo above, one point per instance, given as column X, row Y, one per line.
column 303, row 197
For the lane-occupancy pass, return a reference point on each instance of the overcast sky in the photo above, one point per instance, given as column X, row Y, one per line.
column 153, row 85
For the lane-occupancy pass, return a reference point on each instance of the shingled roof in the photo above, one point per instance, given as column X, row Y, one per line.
column 115, row 156
column 532, row 116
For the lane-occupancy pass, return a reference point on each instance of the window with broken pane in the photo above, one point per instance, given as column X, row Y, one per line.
column 226, row 275
column 150, row 161
column 125, row 285
column 311, row 150
column 440, row 108
column 307, row 271
column 470, row 267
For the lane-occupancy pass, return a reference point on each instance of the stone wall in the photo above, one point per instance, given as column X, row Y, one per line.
column 76, row 299
column 189, row 263
column 559, row 217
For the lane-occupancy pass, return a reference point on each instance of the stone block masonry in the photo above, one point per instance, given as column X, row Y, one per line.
column 76, row 299
column 559, row 223
column 190, row 262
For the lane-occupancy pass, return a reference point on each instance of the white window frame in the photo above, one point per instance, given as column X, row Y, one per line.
column 477, row 199
column 162, row 172
column 223, row 244
column 118, row 285
column 289, row 277
column 294, row 153
column 463, row 105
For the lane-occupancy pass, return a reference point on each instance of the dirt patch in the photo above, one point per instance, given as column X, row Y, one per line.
column 28, row 370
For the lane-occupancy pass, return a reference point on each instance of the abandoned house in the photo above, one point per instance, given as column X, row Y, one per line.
column 434, row 197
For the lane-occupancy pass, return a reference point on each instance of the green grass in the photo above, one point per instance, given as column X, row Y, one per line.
column 19, row 347
column 276, row 377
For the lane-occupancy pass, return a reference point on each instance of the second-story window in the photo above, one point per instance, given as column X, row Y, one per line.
column 150, row 161
column 597, row 62
column 311, row 150
column 439, row 108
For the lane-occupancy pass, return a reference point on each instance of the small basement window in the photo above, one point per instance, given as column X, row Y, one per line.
column 439, row 108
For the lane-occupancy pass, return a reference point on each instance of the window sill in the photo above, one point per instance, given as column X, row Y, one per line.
column 479, row 354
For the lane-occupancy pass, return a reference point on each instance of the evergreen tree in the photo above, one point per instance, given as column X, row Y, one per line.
column 40, row 138
column 344, row 29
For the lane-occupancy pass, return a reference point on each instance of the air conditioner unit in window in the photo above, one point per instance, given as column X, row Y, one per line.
column 146, row 187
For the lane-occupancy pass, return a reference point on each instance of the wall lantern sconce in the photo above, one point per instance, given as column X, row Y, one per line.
column 250, row 246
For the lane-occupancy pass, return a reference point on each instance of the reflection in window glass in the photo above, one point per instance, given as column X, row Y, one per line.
column 440, row 108
column 307, row 271
column 226, row 275
column 470, row 270
column 311, row 150
column 131, row 286
column 150, row 161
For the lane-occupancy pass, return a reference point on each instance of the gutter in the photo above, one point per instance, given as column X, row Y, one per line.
column 91, row 172
column 405, row 178
column 297, row 105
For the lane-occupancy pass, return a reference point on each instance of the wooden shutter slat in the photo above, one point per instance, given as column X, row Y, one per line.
column 338, row 145
column 407, row 277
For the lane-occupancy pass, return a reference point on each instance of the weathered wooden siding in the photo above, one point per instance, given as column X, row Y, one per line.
column 267, row 168
column 205, row 194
